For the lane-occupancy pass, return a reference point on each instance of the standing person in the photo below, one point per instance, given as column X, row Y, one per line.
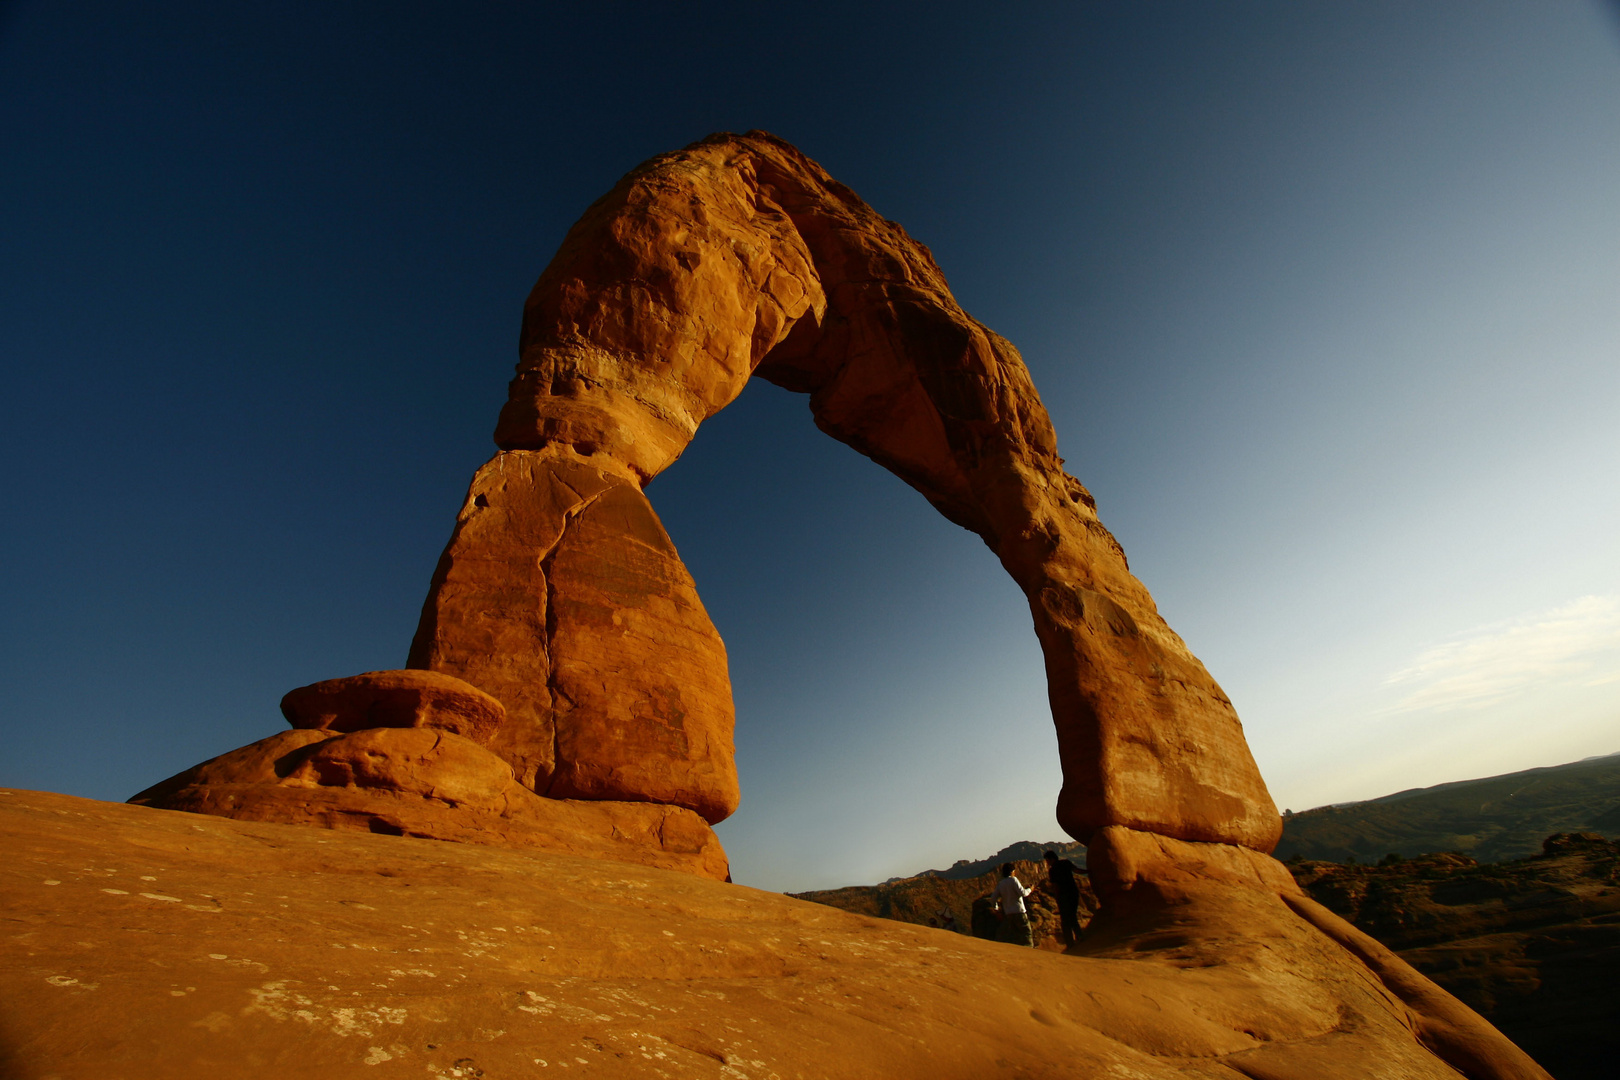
column 1010, row 893
column 1060, row 876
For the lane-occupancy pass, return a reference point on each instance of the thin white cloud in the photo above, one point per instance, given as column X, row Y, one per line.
column 1579, row 640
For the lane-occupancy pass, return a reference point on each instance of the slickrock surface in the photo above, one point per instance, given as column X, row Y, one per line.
column 700, row 268
column 150, row 944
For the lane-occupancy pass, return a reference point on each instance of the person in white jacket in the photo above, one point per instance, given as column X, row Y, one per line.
column 1010, row 893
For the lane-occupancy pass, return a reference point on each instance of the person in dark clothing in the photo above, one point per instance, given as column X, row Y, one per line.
column 1060, row 877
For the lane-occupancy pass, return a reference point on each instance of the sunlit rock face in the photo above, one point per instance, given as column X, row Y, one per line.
column 561, row 594
column 431, row 783
column 740, row 256
column 395, row 699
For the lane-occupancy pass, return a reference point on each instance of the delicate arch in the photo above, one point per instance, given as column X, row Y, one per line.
column 561, row 594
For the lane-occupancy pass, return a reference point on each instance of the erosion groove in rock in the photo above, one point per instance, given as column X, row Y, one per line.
column 740, row 256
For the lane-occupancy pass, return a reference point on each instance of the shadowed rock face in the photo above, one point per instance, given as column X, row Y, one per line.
column 740, row 256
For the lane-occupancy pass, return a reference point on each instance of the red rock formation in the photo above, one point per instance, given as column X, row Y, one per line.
column 561, row 594
column 395, row 699
column 561, row 598
column 739, row 255
column 432, row 784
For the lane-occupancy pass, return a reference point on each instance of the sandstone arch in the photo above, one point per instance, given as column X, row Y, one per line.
column 576, row 699
column 561, row 595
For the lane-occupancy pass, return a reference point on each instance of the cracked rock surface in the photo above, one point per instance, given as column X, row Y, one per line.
column 561, row 595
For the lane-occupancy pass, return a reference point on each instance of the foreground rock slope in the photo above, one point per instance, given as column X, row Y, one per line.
column 147, row 945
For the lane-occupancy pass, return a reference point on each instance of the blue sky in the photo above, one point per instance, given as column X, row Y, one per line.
column 1322, row 299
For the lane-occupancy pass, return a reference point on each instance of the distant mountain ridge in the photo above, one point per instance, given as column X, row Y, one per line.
column 1492, row 819
column 1022, row 851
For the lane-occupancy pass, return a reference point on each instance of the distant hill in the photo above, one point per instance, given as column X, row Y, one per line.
column 1493, row 820
column 1023, row 851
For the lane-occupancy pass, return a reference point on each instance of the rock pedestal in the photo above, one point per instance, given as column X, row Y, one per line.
column 433, row 784
column 561, row 594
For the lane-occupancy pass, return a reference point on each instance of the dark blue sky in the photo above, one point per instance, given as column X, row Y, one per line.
column 1322, row 298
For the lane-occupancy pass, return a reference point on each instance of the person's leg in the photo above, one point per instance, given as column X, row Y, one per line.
column 1069, row 916
column 1023, row 934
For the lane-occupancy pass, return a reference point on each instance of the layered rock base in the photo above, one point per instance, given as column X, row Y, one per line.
column 430, row 784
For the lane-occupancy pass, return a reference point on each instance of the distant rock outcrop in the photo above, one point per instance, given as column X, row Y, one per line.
column 1023, row 851
column 1533, row 944
column 1491, row 819
column 923, row 898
